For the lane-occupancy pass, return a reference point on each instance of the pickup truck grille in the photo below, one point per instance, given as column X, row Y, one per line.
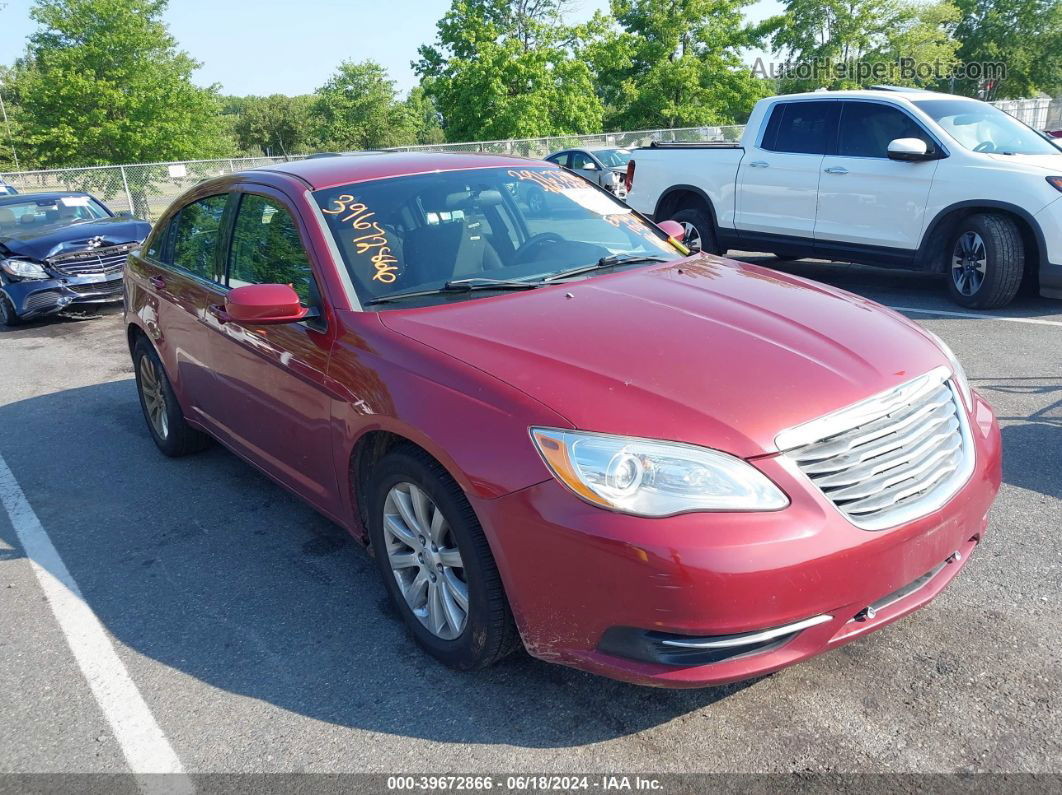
column 99, row 260
column 889, row 459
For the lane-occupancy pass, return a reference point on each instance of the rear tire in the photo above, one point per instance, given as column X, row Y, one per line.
column 700, row 231
column 450, row 549
column 167, row 425
column 986, row 261
column 8, row 316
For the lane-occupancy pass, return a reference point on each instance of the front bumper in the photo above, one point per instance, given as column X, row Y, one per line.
column 1049, row 220
column 38, row 297
column 575, row 573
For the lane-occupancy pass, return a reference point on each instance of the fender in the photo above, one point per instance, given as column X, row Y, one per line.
column 690, row 189
column 923, row 259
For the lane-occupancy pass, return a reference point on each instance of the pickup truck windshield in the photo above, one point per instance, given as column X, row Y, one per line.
column 983, row 128
column 419, row 232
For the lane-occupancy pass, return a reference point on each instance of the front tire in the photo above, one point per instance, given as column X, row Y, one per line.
column 700, row 231
column 167, row 425
column 8, row 316
column 986, row 261
column 436, row 563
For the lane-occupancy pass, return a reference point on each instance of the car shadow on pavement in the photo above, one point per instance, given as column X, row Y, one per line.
column 208, row 567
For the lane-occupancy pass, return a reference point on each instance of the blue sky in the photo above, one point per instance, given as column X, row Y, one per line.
column 292, row 46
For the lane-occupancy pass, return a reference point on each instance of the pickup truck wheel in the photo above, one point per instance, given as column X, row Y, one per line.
column 436, row 564
column 987, row 261
column 8, row 316
column 169, row 429
column 700, row 232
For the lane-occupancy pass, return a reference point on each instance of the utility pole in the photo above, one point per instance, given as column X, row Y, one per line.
column 10, row 137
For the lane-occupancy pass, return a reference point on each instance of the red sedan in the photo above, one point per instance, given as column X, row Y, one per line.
column 557, row 427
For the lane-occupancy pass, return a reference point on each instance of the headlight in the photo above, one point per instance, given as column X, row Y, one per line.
column 649, row 478
column 23, row 269
column 958, row 374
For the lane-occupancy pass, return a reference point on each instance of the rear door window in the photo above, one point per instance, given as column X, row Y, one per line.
column 195, row 243
column 801, row 127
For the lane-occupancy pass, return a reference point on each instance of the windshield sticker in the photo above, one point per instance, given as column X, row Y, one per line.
column 374, row 240
column 74, row 201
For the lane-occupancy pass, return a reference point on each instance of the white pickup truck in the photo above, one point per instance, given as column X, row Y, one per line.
column 900, row 178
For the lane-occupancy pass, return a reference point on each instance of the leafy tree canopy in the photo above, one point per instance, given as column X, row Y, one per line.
column 676, row 63
column 358, row 108
column 501, row 69
column 104, row 82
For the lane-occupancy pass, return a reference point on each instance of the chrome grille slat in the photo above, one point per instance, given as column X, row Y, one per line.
column 891, row 458
column 92, row 261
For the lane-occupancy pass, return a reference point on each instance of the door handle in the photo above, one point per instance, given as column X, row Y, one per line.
column 836, row 170
column 219, row 312
column 157, row 282
column 759, row 164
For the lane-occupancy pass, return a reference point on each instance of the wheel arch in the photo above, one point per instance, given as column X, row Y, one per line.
column 683, row 197
column 933, row 252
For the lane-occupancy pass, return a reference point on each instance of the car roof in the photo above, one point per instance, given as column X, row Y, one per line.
column 900, row 96
column 328, row 172
column 20, row 198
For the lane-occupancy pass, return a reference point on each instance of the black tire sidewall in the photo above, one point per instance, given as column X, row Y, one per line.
column 174, row 444
column 8, row 316
column 468, row 650
column 1005, row 261
column 703, row 223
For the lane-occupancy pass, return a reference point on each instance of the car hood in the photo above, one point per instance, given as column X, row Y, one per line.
column 1052, row 163
column 47, row 241
column 704, row 350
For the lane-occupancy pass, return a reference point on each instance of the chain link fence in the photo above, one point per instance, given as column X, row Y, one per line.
column 146, row 189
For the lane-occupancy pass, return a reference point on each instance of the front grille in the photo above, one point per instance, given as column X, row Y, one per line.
column 112, row 286
column 99, row 260
column 889, row 459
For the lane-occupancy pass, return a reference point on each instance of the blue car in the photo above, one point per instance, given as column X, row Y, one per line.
column 61, row 250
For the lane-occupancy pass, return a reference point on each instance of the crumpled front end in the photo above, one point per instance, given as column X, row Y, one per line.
column 90, row 276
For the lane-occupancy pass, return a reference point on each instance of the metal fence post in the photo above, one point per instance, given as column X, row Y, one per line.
column 128, row 195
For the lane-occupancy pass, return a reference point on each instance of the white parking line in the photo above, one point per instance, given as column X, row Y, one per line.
column 145, row 746
column 1033, row 320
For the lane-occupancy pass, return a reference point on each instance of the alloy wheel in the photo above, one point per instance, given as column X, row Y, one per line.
column 154, row 397
column 969, row 263
column 425, row 560
column 692, row 238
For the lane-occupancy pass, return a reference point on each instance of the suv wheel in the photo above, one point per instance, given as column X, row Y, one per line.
column 171, row 432
column 436, row 564
column 700, row 232
column 986, row 261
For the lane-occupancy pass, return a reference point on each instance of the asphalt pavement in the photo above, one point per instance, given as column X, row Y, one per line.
column 258, row 636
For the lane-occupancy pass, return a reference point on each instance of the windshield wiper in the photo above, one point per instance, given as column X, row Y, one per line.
column 459, row 286
column 605, row 262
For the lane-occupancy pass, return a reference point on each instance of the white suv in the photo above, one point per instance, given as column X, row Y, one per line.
column 908, row 179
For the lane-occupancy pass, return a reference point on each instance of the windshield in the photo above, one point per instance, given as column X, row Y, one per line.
column 31, row 213
column 419, row 232
column 613, row 158
column 983, row 128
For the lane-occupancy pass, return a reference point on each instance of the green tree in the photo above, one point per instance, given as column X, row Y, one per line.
column 426, row 119
column 274, row 125
column 923, row 42
column 104, row 82
column 501, row 69
column 358, row 108
column 676, row 63
column 1024, row 35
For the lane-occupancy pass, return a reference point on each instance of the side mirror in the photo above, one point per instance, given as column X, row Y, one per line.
column 909, row 149
column 263, row 305
column 589, row 165
column 673, row 229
